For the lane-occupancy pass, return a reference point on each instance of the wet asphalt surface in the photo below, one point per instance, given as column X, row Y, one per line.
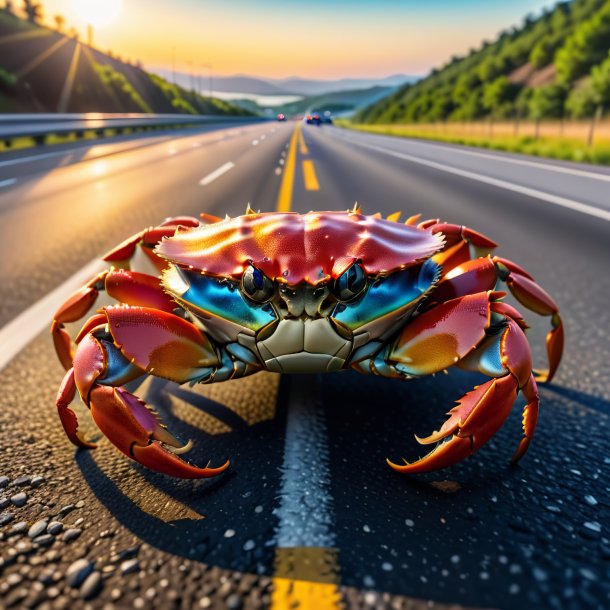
column 480, row 534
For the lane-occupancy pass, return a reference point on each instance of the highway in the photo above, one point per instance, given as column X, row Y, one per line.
column 309, row 514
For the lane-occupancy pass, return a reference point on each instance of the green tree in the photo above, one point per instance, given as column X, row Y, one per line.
column 60, row 23
column 600, row 81
column 582, row 101
column 33, row 10
column 547, row 102
column 587, row 46
column 498, row 95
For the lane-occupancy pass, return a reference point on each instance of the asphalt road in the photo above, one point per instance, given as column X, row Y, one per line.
column 309, row 514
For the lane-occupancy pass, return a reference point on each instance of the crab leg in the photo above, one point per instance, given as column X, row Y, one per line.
column 125, row 286
column 458, row 331
column 534, row 297
column 133, row 341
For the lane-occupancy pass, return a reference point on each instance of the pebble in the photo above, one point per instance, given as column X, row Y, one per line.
column 66, row 509
column 409, row 523
column 387, row 566
column 78, row 571
column 4, row 481
column 249, row 545
column 44, row 540
column 71, row 534
column 18, row 528
column 591, row 500
column 22, row 480
column 4, row 502
column 553, row 509
column 5, row 518
column 92, row 585
column 37, row 528
column 229, row 533
column 19, row 499
column 37, row 481
column 234, row 602
column 594, row 526
column 130, row 566
column 80, row 504
column 55, row 527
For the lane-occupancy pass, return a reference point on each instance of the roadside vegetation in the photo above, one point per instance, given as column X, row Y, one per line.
column 37, row 73
column 553, row 68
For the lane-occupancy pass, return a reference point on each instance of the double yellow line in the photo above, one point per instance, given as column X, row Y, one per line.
column 284, row 200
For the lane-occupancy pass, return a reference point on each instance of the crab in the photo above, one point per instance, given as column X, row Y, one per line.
column 207, row 300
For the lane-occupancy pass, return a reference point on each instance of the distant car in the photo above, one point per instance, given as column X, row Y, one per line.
column 281, row 117
column 327, row 119
column 314, row 119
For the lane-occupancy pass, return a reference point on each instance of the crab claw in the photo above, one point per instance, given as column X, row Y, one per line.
column 477, row 417
column 554, row 349
column 68, row 419
column 136, row 431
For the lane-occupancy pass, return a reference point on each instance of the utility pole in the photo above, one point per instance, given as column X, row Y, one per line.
column 174, row 65
column 90, row 35
column 209, row 67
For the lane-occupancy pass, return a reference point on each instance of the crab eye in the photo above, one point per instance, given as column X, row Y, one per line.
column 256, row 285
column 350, row 283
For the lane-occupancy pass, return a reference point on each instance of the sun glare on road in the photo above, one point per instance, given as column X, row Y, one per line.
column 98, row 13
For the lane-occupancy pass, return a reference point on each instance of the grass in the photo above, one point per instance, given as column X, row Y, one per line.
column 566, row 141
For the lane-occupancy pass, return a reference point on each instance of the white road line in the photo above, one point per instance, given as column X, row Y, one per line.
column 26, row 326
column 571, row 204
column 305, row 512
column 7, row 182
column 506, row 159
column 217, row 173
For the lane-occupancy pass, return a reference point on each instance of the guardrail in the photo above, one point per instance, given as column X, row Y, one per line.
column 40, row 126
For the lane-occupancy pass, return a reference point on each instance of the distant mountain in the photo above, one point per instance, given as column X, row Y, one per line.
column 226, row 84
column 317, row 87
column 42, row 70
column 293, row 85
column 553, row 66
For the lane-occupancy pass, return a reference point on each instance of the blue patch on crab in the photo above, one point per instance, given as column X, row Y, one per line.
column 387, row 295
column 218, row 297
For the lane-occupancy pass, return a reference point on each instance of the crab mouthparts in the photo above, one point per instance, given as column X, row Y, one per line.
column 308, row 345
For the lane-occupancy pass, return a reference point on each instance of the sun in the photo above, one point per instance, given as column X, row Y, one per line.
column 98, row 13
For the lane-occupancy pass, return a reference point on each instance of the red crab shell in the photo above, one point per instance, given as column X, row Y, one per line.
column 294, row 247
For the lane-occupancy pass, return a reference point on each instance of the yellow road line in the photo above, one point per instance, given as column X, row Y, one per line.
column 302, row 146
column 309, row 176
column 284, row 199
column 306, row 578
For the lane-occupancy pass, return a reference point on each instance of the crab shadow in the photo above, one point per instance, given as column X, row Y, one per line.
column 476, row 502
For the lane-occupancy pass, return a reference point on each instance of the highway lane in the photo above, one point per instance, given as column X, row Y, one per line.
column 479, row 534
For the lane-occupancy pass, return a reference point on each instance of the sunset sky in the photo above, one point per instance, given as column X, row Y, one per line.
column 272, row 38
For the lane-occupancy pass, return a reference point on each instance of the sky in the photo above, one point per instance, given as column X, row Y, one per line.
column 276, row 39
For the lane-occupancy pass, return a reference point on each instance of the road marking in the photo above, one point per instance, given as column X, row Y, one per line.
column 223, row 169
column 284, row 199
column 26, row 326
column 509, row 186
column 302, row 146
column 7, row 182
column 306, row 572
column 309, row 176
column 505, row 159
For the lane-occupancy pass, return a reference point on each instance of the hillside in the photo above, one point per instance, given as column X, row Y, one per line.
column 555, row 66
column 42, row 70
